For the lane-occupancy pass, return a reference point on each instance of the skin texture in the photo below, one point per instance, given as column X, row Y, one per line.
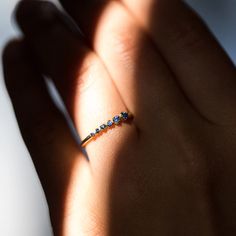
column 169, row 171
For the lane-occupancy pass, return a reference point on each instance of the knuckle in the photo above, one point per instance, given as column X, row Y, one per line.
column 79, row 78
column 126, row 47
column 124, row 44
column 189, row 34
column 85, row 75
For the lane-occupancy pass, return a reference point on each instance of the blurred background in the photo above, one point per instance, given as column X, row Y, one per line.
column 23, row 209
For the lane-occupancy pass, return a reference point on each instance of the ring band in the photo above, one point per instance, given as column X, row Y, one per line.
column 116, row 120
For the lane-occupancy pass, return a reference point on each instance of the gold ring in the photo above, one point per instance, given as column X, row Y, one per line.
column 116, row 120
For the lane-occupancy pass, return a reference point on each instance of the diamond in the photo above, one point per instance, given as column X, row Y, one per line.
column 124, row 115
column 103, row 126
column 109, row 123
column 97, row 130
column 116, row 119
column 92, row 134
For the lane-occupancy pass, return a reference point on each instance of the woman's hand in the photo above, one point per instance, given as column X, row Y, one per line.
column 169, row 171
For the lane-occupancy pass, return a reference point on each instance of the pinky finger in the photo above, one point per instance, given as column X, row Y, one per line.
column 44, row 130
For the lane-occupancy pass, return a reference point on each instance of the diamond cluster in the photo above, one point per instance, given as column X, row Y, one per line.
column 115, row 121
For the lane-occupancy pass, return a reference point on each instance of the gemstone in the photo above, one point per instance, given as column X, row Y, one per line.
column 116, row 119
column 97, row 130
column 92, row 134
column 124, row 115
column 109, row 123
column 103, row 126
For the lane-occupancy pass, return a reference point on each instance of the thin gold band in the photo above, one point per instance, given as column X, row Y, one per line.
column 116, row 120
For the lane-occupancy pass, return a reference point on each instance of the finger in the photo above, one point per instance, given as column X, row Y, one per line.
column 138, row 70
column 54, row 152
column 44, row 21
column 95, row 98
column 202, row 68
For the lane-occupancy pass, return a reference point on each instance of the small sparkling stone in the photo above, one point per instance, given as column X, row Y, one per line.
column 103, row 126
column 116, row 119
column 124, row 115
column 97, row 130
column 92, row 134
column 109, row 123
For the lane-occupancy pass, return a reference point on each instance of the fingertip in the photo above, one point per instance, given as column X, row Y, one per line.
column 36, row 13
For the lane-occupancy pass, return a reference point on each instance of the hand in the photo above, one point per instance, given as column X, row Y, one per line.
column 169, row 171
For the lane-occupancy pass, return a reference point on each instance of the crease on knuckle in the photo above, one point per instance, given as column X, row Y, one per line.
column 126, row 47
column 85, row 75
column 190, row 35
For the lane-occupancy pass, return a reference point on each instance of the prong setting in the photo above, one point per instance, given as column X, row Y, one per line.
column 97, row 131
column 103, row 126
column 124, row 115
column 109, row 123
column 116, row 119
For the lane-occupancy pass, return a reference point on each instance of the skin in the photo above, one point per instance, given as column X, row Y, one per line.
column 169, row 171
